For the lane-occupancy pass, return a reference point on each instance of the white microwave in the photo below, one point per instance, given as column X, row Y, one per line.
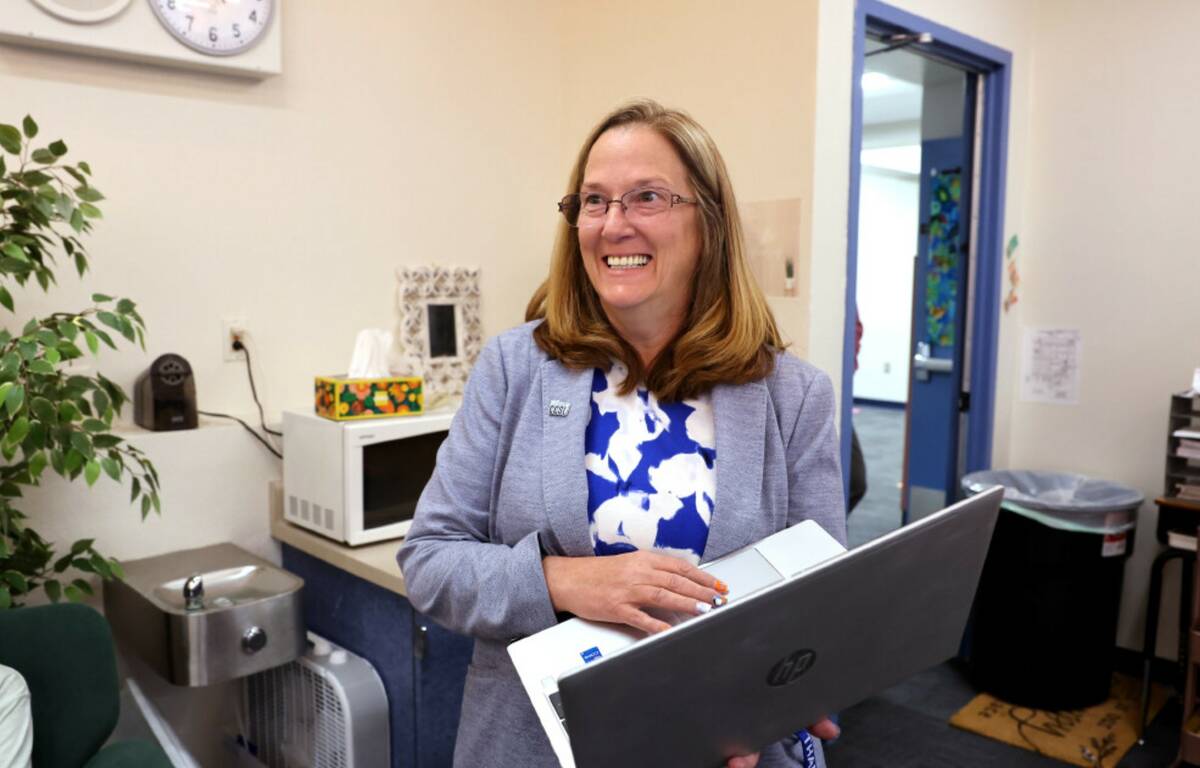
column 358, row 481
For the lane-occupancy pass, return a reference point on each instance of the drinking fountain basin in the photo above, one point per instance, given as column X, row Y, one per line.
column 201, row 616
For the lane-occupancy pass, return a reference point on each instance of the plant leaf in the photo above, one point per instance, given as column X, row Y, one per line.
column 30, row 127
column 58, row 147
column 112, row 468
column 43, row 156
column 93, row 342
column 37, row 464
column 14, row 399
column 53, row 590
column 10, row 139
column 91, row 211
column 6, row 298
column 16, row 581
column 44, row 410
column 5, row 598
column 18, row 430
column 80, row 442
column 91, row 471
column 89, row 194
column 73, row 594
column 14, row 251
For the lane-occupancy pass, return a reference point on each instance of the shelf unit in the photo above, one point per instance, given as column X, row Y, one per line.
column 1175, row 513
column 1189, row 737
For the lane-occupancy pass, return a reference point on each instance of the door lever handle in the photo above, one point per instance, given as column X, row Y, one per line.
column 924, row 363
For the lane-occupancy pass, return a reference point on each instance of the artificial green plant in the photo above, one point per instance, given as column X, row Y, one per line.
column 53, row 414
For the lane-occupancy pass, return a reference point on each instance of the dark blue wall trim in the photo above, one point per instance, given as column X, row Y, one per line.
column 994, row 65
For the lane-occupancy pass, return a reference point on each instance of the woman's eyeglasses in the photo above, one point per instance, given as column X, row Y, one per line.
column 588, row 209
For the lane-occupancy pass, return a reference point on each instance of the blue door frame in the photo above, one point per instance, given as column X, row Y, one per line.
column 994, row 67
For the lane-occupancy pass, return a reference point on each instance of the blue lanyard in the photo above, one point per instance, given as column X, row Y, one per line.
column 808, row 745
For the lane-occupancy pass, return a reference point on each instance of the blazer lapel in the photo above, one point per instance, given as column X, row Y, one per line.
column 740, row 414
column 566, row 408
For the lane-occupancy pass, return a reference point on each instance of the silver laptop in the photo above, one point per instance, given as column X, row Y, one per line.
column 794, row 651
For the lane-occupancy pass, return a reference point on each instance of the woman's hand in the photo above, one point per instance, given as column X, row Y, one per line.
column 825, row 730
column 618, row 588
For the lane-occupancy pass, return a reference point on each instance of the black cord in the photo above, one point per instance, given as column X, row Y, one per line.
column 249, row 429
column 262, row 420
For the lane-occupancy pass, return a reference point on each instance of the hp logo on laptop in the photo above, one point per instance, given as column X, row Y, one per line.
column 791, row 667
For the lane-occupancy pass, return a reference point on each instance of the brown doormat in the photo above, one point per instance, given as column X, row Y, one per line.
column 1096, row 737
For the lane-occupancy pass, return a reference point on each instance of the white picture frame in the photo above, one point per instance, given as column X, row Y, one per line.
column 439, row 333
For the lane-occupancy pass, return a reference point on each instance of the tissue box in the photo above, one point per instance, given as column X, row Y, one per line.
column 342, row 399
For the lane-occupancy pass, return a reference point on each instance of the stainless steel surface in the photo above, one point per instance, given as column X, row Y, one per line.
column 924, row 364
column 246, row 618
column 254, row 640
column 193, row 593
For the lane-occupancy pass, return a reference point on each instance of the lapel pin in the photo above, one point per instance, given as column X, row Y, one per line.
column 559, row 408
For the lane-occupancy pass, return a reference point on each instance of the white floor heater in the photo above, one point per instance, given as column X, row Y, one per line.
column 327, row 709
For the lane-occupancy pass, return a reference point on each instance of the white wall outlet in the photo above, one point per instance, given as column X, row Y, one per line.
column 232, row 327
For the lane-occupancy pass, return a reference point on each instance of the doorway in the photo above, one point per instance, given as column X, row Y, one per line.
column 929, row 135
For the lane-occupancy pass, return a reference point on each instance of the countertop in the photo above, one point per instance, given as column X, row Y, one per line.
column 375, row 563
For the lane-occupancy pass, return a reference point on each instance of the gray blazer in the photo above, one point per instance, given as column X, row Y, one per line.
column 510, row 487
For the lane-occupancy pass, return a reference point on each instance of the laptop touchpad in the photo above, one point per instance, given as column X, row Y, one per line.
column 744, row 572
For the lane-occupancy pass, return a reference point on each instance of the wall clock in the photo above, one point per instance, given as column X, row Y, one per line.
column 215, row 27
column 233, row 37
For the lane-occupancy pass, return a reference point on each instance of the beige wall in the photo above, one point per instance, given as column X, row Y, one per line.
column 1112, row 248
column 745, row 75
column 400, row 133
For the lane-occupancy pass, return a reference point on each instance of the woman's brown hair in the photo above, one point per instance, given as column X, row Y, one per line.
column 729, row 335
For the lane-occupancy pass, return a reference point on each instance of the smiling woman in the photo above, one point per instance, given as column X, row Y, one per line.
column 649, row 267
column 580, row 476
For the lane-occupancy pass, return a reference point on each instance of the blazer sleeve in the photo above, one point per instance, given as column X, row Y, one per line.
column 814, row 456
column 453, row 570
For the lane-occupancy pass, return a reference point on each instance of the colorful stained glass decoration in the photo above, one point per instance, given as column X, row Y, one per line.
column 941, row 273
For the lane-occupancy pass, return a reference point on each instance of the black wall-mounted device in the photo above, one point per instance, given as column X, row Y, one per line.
column 164, row 396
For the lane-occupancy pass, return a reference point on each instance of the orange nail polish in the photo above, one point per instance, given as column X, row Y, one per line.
column 721, row 586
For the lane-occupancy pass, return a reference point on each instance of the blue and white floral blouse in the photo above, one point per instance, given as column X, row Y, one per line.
column 650, row 471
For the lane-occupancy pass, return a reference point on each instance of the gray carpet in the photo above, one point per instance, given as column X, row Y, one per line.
column 907, row 726
column 881, row 434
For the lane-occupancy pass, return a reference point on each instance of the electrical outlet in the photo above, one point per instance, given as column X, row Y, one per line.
column 232, row 328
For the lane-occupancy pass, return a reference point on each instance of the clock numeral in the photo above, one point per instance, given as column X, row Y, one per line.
column 254, row 16
column 190, row 19
column 237, row 32
column 212, row 34
column 171, row 4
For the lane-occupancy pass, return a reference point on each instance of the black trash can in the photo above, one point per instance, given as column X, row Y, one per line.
column 1044, row 622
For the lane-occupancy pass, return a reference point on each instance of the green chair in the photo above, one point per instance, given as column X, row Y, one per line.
column 65, row 653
